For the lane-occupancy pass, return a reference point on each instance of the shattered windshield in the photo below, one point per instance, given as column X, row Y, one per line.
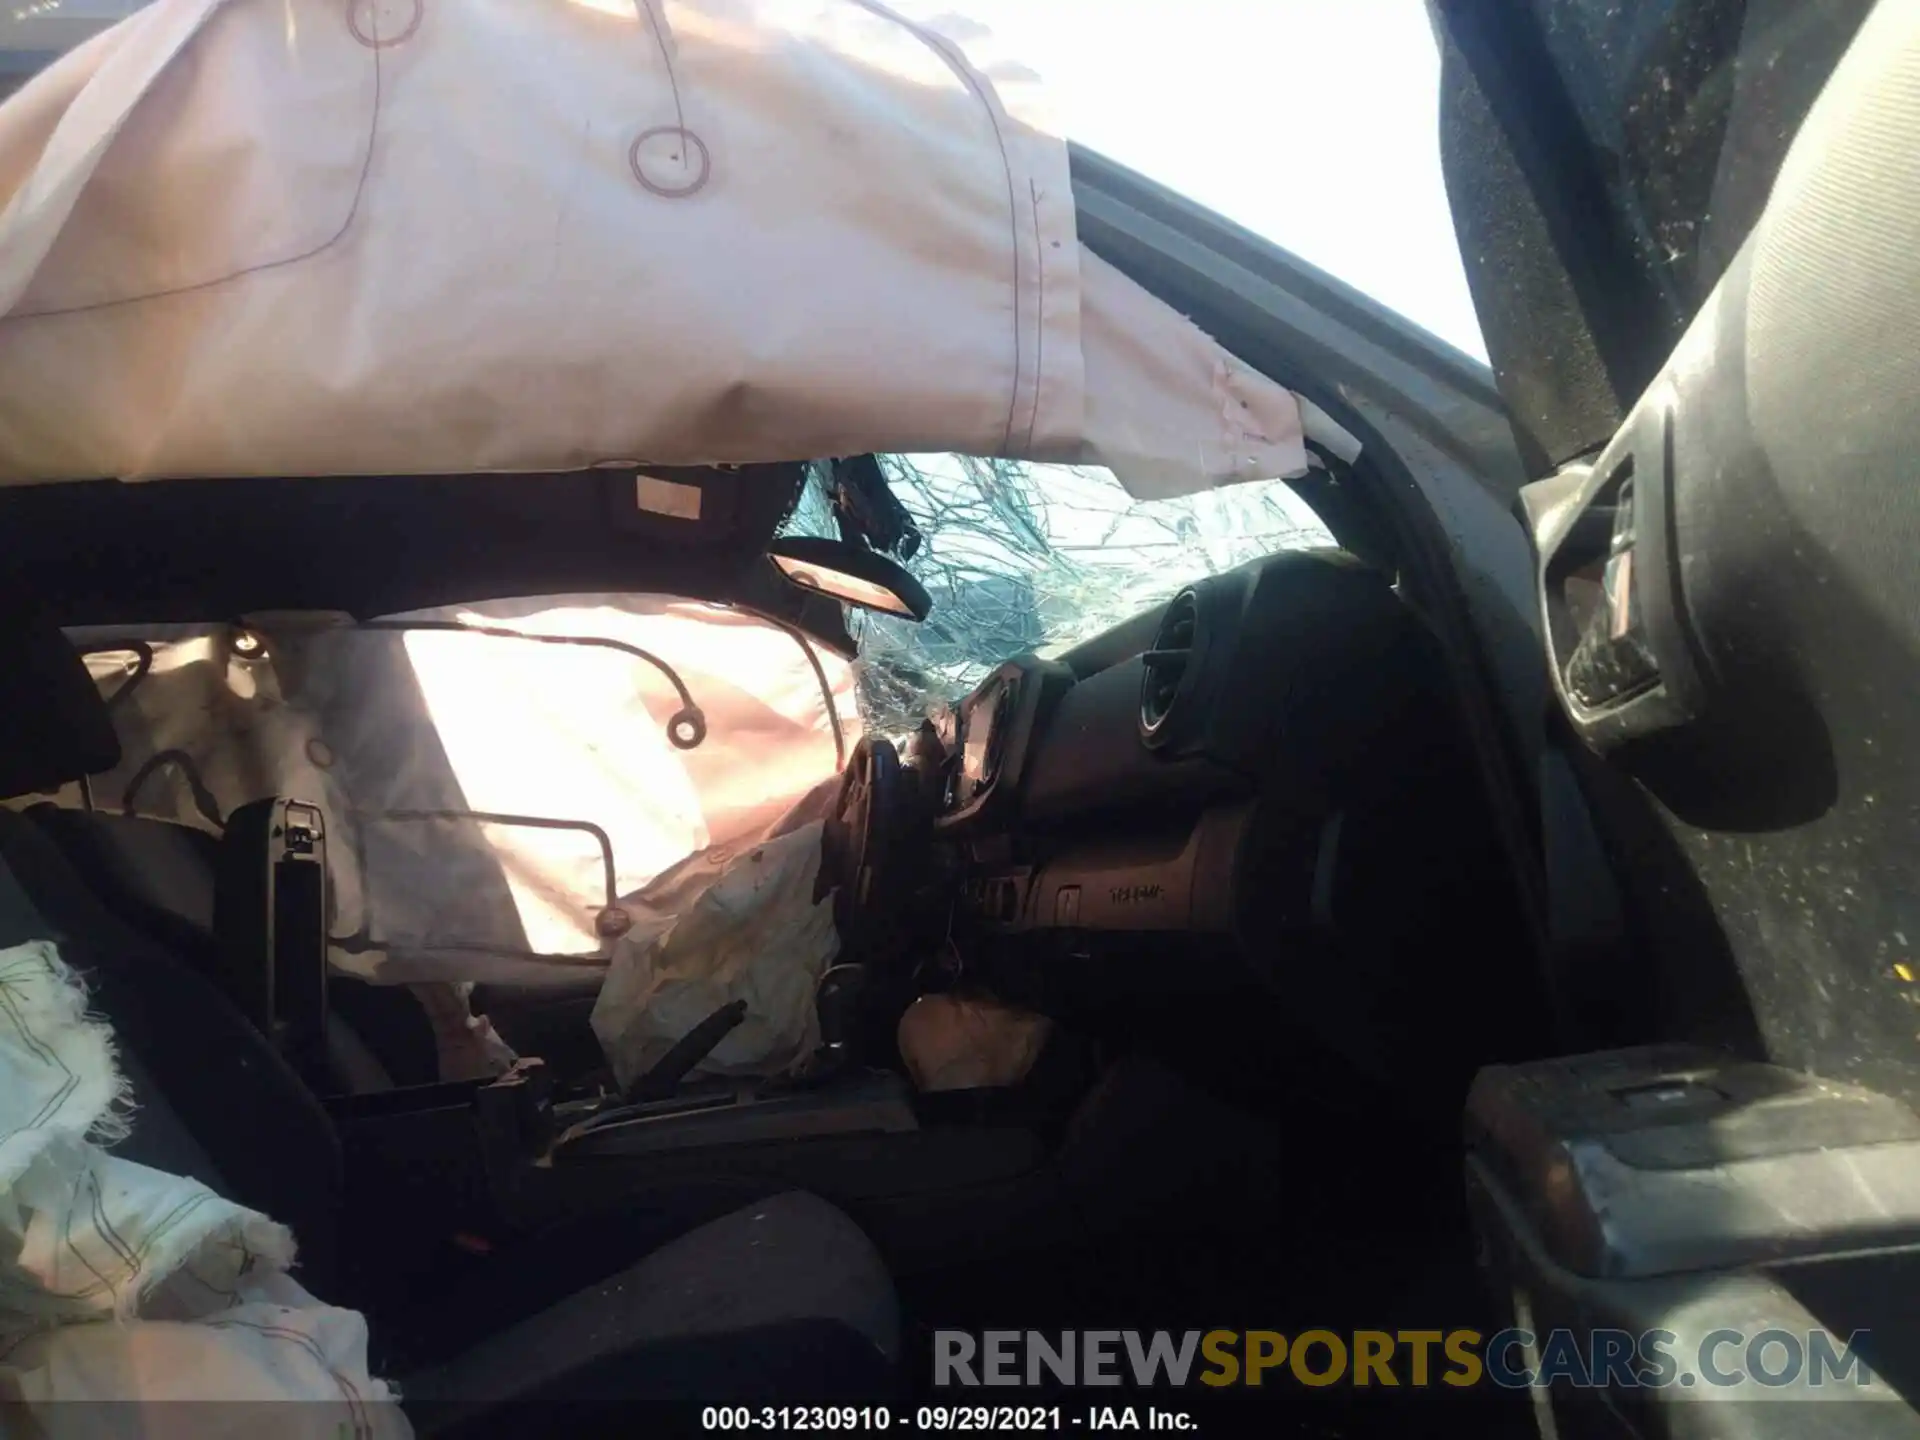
column 1024, row 558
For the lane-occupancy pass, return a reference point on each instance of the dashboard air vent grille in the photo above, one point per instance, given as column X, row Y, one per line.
column 1166, row 664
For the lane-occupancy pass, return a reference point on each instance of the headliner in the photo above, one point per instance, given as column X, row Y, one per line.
column 107, row 553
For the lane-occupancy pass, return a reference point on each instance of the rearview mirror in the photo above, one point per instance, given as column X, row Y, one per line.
column 850, row 573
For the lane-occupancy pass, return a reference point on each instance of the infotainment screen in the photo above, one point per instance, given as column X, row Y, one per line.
column 978, row 743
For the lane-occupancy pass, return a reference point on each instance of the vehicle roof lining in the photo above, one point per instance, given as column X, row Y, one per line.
column 105, row 553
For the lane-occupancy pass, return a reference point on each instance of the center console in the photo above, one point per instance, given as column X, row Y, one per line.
column 475, row 1164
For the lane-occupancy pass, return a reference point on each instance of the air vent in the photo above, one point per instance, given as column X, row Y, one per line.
column 1167, row 665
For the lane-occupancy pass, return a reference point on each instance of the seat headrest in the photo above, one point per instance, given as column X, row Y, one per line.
column 54, row 726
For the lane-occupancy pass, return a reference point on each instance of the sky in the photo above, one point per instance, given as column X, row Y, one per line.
column 1313, row 123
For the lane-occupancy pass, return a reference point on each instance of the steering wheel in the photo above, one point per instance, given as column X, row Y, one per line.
column 865, row 848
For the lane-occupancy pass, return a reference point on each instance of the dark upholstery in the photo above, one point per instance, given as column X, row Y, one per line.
column 153, row 874
column 792, row 1363
column 788, row 1280
column 275, row 1146
column 160, row 1138
column 784, row 1300
column 552, row 1020
column 53, row 726
column 163, row 880
column 790, row 1260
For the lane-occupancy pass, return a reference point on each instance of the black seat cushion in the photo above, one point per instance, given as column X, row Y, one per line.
column 792, row 1363
column 789, row 1271
column 53, row 726
column 154, row 874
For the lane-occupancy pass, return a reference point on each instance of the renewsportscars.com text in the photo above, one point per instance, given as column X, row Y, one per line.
column 1462, row 1359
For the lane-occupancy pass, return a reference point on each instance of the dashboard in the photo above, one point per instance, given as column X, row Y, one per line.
column 1264, row 779
column 1276, row 669
column 990, row 744
column 1128, row 786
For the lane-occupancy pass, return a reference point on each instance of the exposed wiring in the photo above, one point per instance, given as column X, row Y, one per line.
column 203, row 800
column 608, row 877
column 361, row 942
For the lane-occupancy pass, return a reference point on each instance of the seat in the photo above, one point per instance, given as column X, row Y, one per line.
column 163, row 879
column 783, row 1300
column 160, row 878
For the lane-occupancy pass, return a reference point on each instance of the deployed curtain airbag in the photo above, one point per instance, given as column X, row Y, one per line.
column 329, row 237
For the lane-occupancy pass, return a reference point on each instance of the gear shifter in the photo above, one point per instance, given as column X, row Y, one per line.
column 837, row 1003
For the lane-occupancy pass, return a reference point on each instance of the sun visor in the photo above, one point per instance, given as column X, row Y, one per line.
column 339, row 237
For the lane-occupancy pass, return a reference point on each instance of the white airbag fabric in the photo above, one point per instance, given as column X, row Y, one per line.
column 754, row 934
column 318, row 237
column 120, row 1282
column 403, row 738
